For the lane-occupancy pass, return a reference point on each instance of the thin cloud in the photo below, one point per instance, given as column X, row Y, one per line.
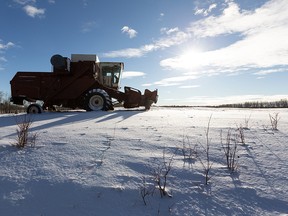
column 85, row 3
column 33, row 11
column 261, row 77
column 174, row 81
column 24, row 2
column 189, row 86
column 175, row 37
column 169, row 31
column 3, row 48
column 129, row 31
column 147, row 84
column 131, row 74
column 161, row 16
column 3, row 59
column 88, row 26
column 270, row 71
column 127, row 53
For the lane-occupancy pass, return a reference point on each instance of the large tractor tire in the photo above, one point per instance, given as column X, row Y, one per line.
column 97, row 99
column 34, row 109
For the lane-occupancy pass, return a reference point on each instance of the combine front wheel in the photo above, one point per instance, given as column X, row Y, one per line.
column 97, row 99
column 34, row 109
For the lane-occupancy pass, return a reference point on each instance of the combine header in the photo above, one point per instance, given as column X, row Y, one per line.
column 80, row 82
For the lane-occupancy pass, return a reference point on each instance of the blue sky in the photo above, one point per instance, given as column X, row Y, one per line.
column 194, row 52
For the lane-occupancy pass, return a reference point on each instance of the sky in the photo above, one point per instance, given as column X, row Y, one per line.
column 195, row 52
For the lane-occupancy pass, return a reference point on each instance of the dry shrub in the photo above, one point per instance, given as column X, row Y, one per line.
column 24, row 123
column 188, row 150
column 241, row 134
column 230, row 150
column 274, row 120
column 160, row 174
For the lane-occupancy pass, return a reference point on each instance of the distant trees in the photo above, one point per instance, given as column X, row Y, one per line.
column 3, row 103
column 283, row 103
column 6, row 106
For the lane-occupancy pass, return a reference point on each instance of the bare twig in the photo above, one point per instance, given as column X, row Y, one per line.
column 274, row 119
column 241, row 134
column 189, row 152
column 146, row 189
column 230, row 151
column 206, row 163
column 160, row 174
column 246, row 122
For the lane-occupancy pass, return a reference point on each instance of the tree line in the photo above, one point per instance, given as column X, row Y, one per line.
column 7, row 107
column 283, row 103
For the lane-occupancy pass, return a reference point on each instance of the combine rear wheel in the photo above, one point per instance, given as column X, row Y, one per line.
column 97, row 99
column 34, row 109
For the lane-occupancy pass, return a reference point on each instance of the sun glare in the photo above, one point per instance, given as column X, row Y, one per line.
column 192, row 59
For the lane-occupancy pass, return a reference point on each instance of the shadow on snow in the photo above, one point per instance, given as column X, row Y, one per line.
column 66, row 118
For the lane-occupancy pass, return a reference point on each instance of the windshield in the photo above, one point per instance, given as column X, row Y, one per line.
column 113, row 72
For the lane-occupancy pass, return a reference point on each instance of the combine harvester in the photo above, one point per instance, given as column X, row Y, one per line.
column 81, row 82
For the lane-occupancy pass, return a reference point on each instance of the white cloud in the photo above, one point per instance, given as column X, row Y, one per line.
column 263, row 43
column 264, row 49
column 205, row 12
column 130, row 74
column 6, row 46
column 233, row 20
column 178, row 37
column 211, row 7
column 33, row 11
column 129, row 31
column 3, row 48
column 169, row 31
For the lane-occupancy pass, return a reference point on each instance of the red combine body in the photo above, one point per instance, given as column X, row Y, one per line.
column 80, row 82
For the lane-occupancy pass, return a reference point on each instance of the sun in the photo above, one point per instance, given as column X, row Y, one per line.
column 191, row 59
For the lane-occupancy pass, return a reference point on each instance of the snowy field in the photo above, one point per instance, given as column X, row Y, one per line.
column 95, row 163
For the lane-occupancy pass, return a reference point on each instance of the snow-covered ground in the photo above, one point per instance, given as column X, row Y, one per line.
column 95, row 163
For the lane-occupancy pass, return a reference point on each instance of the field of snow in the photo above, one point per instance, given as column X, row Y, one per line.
column 95, row 163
